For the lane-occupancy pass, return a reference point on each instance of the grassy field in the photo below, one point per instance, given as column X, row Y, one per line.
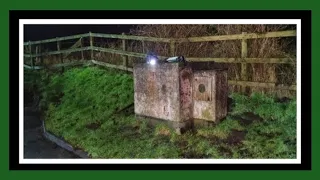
column 91, row 108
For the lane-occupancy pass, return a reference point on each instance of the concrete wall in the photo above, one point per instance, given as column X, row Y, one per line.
column 211, row 103
column 186, row 102
column 221, row 87
column 157, row 91
column 179, row 94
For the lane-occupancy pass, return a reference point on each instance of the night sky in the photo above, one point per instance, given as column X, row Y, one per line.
column 40, row 32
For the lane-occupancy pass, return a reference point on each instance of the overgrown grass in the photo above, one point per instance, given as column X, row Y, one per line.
column 83, row 106
column 275, row 135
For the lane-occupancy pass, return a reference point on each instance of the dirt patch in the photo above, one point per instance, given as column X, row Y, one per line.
column 214, row 140
column 93, row 126
column 163, row 132
column 129, row 131
column 236, row 137
column 270, row 135
column 182, row 144
column 128, row 110
column 283, row 100
column 251, row 117
column 247, row 118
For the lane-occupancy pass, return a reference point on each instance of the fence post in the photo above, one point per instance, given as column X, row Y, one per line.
column 124, row 57
column 82, row 57
column 244, row 54
column 31, row 58
column 37, row 52
column 91, row 45
column 60, row 54
column 172, row 48
column 143, row 47
column 40, row 57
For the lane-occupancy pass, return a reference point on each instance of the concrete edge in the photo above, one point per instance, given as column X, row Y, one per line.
column 63, row 144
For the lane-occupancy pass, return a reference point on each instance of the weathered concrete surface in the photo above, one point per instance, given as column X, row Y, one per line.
column 221, row 94
column 158, row 93
column 210, row 95
column 186, row 102
column 180, row 94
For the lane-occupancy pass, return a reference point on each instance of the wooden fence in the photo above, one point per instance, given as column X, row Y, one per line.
column 244, row 60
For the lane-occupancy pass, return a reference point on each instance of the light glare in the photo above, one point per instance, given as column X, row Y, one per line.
column 152, row 61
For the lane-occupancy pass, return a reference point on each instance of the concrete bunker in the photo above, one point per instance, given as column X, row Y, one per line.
column 180, row 94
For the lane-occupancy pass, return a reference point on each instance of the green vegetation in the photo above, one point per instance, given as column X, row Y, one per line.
column 85, row 107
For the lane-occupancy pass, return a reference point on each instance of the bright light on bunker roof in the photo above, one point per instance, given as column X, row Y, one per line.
column 152, row 61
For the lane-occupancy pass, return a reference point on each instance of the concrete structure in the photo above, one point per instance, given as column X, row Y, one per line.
column 179, row 94
column 210, row 95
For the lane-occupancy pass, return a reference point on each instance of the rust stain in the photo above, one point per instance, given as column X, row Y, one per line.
column 185, row 74
column 151, row 84
column 185, row 94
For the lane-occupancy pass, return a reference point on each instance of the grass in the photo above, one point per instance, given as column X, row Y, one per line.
column 84, row 106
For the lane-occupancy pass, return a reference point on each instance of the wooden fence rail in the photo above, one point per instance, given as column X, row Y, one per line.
column 244, row 60
column 239, row 36
column 190, row 59
column 57, row 39
column 290, row 33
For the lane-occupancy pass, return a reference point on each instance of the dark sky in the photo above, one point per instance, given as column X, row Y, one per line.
column 40, row 32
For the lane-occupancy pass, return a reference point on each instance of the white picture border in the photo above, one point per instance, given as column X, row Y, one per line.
column 23, row 22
